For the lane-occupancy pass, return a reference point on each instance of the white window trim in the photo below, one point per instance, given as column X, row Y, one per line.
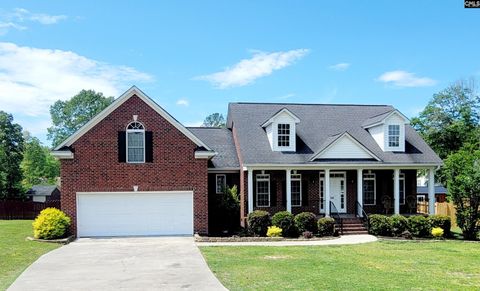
column 401, row 138
column 374, row 179
column 144, row 146
column 224, row 183
column 289, row 135
column 402, row 181
column 297, row 177
column 391, row 135
column 265, row 178
column 292, row 136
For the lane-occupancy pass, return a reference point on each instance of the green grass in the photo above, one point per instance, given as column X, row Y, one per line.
column 442, row 265
column 16, row 254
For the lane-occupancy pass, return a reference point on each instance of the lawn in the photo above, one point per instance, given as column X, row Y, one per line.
column 16, row 254
column 443, row 265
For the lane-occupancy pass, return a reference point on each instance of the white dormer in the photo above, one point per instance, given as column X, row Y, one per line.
column 389, row 131
column 281, row 131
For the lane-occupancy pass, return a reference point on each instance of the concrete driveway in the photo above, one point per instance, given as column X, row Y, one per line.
column 147, row 263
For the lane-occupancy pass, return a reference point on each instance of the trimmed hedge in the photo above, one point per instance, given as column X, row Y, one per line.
column 442, row 221
column 258, row 222
column 419, row 226
column 51, row 223
column 380, row 225
column 326, row 226
column 306, row 221
column 398, row 224
column 285, row 220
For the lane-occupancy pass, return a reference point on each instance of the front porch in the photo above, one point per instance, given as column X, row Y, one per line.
column 333, row 191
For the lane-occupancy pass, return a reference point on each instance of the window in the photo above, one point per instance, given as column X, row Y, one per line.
column 402, row 188
column 394, row 135
column 296, row 188
column 283, row 135
column 221, row 183
column 369, row 189
column 135, row 143
column 263, row 190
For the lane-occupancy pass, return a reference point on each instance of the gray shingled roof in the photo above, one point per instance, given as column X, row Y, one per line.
column 42, row 190
column 221, row 141
column 438, row 190
column 318, row 124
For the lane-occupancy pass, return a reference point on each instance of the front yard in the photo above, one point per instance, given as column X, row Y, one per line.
column 391, row 265
column 16, row 254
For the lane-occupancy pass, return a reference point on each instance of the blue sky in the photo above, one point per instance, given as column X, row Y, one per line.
column 194, row 57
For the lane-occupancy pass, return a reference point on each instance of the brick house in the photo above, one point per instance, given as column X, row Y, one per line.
column 135, row 170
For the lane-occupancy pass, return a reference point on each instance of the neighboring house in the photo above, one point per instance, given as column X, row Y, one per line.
column 440, row 193
column 135, row 170
column 43, row 193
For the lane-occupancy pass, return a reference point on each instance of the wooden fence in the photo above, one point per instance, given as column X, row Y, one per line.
column 12, row 209
column 443, row 208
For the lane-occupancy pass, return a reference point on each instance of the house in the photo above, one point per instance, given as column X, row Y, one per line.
column 440, row 193
column 135, row 170
column 43, row 193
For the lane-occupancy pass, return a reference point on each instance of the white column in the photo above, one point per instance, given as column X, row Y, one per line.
column 359, row 190
column 250, row 190
column 326, row 187
column 431, row 191
column 289, row 190
column 396, row 191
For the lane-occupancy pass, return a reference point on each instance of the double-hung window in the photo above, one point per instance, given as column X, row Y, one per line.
column 283, row 135
column 393, row 135
column 135, row 143
column 263, row 190
column 221, row 183
column 296, row 189
column 369, row 189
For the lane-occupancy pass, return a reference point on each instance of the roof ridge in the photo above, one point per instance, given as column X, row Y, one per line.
column 315, row 104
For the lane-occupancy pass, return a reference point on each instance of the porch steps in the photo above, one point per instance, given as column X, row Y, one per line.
column 352, row 225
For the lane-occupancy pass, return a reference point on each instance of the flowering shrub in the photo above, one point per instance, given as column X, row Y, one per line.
column 51, row 223
column 274, row 231
column 437, row 232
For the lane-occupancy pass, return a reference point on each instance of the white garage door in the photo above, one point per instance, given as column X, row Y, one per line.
column 134, row 213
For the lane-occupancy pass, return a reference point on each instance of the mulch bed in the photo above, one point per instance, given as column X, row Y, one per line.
column 63, row 241
column 199, row 238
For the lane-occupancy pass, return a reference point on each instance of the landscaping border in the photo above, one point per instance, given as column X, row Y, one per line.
column 63, row 241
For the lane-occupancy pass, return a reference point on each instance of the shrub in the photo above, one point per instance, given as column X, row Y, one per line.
column 326, row 226
column 51, row 223
column 307, row 234
column 442, row 221
column 398, row 224
column 437, row 232
column 274, row 231
column 419, row 226
column 380, row 225
column 258, row 222
column 306, row 221
column 285, row 220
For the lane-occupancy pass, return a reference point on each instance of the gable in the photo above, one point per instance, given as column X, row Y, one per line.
column 345, row 147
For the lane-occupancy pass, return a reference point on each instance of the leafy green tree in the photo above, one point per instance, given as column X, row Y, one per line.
column 38, row 165
column 462, row 171
column 68, row 116
column 214, row 120
column 11, row 154
column 450, row 120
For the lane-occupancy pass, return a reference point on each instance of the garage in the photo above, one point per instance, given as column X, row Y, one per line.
column 134, row 213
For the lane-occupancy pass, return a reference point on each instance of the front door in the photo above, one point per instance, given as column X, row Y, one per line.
column 338, row 193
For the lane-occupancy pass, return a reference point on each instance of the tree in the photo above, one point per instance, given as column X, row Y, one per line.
column 11, row 154
column 462, row 171
column 68, row 116
column 450, row 120
column 38, row 165
column 214, row 120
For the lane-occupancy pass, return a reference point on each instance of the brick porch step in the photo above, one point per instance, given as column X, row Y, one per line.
column 352, row 225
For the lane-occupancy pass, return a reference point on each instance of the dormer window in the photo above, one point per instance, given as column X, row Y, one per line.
column 283, row 135
column 135, row 142
column 388, row 130
column 393, row 135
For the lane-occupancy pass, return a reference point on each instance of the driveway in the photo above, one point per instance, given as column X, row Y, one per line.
column 146, row 263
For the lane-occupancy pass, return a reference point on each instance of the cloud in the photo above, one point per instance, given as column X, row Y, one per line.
column 32, row 79
column 339, row 67
column 183, row 102
column 20, row 17
column 248, row 70
column 194, row 123
column 405, row 79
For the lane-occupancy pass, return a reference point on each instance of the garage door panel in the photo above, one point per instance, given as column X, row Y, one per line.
column 122, row 214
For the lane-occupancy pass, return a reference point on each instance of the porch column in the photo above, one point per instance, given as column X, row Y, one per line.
column 289, row 190
column 396, row 191
column 431, row 191
column 250, row 190
column 326, row 186
column 359, row 192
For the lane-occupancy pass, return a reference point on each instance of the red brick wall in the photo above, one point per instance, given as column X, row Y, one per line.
column 95, row 166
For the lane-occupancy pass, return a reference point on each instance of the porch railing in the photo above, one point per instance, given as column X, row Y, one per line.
column 336, row 215
column 363, row 216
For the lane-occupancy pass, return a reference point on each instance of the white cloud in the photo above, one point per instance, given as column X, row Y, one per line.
column 248, row 70
column 339, row 67
column 183, row 102
column 405, row 79
column 32, row 79
column 19, row 17
column 194, row 124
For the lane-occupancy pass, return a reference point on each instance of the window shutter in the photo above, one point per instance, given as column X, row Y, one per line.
column 148, row 147
column 304, row 192
column 122, row 146
column 273, row 192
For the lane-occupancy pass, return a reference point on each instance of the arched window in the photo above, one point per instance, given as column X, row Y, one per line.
column 135, row 142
